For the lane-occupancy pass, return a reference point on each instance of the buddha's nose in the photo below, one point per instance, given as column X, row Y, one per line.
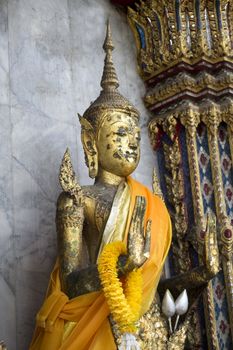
column 132, row 142
column 133, row 145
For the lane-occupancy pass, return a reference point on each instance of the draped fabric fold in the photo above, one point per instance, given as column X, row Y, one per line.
column 91, row 330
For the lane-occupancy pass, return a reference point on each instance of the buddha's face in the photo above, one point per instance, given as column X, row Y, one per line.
column 117, row 143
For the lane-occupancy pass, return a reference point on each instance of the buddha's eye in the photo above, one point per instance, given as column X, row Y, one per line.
column 121, row 132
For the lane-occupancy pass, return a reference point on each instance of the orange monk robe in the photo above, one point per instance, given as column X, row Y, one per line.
column 90, row 312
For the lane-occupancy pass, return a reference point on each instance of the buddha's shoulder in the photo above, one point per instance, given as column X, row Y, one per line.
column 88, row 190
column 91, row 192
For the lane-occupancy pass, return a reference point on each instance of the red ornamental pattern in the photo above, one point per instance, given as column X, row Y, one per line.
column 223, row 326
column 219, row 291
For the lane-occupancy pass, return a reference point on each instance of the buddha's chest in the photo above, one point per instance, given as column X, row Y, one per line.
column 98, row 204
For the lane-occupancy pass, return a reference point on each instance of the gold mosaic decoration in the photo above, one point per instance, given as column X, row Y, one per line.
column 181, row 31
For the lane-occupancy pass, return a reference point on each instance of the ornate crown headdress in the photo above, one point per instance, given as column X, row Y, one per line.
column 109, row 97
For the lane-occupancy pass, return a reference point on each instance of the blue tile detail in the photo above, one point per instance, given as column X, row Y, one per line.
column 141, row 36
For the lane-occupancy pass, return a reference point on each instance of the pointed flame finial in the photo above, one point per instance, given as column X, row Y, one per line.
column 110, row 98
column 109, row 78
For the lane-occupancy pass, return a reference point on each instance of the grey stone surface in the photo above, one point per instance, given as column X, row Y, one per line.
column 51, row 62
column 7, row 256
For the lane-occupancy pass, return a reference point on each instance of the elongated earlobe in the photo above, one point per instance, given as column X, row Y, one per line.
column 89, row 146
column 93, row 168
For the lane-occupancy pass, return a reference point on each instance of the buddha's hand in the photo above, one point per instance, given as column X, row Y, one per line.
column 139, row 239
column 211, row 253
column 76, row 194
column 71, row 207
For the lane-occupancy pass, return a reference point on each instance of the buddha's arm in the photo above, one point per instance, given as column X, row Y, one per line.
column 69, row 221
column 87, row 280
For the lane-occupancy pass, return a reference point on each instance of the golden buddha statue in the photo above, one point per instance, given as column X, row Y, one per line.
column 76, row 314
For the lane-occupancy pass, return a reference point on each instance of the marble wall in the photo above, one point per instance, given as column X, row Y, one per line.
column 51, row 62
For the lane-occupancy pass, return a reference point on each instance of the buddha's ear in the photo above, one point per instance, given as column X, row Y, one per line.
column 89, row 146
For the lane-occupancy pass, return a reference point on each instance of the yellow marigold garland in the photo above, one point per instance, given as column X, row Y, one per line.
column 124, row 300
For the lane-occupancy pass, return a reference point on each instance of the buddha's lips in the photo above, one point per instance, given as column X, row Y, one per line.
column 127, row 155
column 131, row 155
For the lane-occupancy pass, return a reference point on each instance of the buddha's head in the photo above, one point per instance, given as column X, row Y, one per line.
column 110, row 126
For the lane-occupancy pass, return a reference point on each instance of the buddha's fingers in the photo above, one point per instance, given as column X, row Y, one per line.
column 138, row 214
column 134, row 215
column 147, row 240
column 135, row 222
column 79, row 198
column 142, row 215
column 139, row 228
column 138, row 242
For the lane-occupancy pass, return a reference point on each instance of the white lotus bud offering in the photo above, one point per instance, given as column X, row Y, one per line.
column 168, row 307
column 181, row 303
column 168, row 304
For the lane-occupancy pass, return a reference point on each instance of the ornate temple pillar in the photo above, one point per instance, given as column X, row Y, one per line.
column 213, row 118
column 185, row 57
column 191, row 119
